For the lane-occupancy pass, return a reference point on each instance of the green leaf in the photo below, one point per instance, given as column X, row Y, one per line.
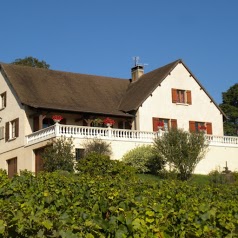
column 2, row 227
column 47, row 224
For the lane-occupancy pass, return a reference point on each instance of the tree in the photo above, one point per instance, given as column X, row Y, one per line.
column 181, row 150
column 230, row 108
column 59, row 155
column 32, row 62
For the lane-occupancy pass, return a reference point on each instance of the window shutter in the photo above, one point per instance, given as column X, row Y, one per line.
column 12, row 167
column 174, row 95
column 174, row 123
column 17, row 127
column 189, row 97
column 155, row 123
column 209, row 128
column 38, row 159
column 192, row 127
column 5, row 99
column 7, row 131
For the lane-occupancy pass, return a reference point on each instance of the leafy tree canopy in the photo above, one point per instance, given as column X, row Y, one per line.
column 181, row 150
column 230, row 108
column 32, row 62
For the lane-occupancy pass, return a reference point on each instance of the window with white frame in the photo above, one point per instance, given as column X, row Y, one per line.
column 12, row 129
column 3, row 100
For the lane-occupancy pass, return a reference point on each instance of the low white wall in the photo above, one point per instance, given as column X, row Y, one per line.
column 215, row 158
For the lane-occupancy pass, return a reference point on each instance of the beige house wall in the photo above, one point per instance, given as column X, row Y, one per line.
column 14, row 109
column 216, row 157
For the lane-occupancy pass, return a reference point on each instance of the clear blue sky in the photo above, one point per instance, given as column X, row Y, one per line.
column 101, row 37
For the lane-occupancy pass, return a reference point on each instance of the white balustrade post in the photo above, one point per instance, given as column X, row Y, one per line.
column 109, row 132
column 57, row 129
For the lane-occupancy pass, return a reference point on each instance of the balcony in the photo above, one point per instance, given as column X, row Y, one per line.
column 83, row 132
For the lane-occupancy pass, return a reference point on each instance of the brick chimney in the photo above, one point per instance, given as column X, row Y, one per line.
column 136, row 72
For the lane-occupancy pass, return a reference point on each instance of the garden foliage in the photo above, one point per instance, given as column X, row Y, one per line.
column 65, row 205
column 59, row 155
column 181, row 150
column 95, row 164
column 144, row 160
column 98, row 146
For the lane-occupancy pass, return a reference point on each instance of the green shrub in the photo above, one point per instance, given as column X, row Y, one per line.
column 98, row 146
column 181, row 150
column 216, row 177
column 144, row 160
column 101, row 165
column 58, row 155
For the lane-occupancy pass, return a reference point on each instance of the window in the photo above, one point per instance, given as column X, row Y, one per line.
column 3, row 100
column 12, row 129
column 1, row 132
column 12, row 167
column 79, row 154
column 195, row 126
column 181, row 96
column 165, row 123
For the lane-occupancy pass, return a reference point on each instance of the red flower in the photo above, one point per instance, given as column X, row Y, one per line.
column 203, row 128
column 57, row 117
column 108, row 121
column 160, row 124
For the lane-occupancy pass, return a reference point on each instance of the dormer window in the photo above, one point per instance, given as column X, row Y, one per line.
column 181, row 96
column 3, row 100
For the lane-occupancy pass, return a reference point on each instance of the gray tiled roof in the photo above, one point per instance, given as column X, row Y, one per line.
column 51, row 89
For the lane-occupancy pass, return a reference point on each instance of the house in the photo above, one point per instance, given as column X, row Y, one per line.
column 170, row 96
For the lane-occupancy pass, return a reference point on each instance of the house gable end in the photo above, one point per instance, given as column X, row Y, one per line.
column 141, row 89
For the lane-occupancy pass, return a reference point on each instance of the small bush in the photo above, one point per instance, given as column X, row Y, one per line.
column 58, row 155
column 144, row 160
column 216, row 177
column 98, row 146
column 101, row 165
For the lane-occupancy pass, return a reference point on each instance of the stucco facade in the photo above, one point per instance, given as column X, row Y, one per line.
column 159, row 104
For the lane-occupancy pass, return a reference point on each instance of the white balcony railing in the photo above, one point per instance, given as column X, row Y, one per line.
column 84, row 132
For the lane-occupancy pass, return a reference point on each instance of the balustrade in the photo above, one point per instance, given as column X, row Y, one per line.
column 58, row 130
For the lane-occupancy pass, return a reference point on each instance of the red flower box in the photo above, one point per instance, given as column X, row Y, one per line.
column 160, row 124
column 202, row 128
column 57, row 118
column 108, row 121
